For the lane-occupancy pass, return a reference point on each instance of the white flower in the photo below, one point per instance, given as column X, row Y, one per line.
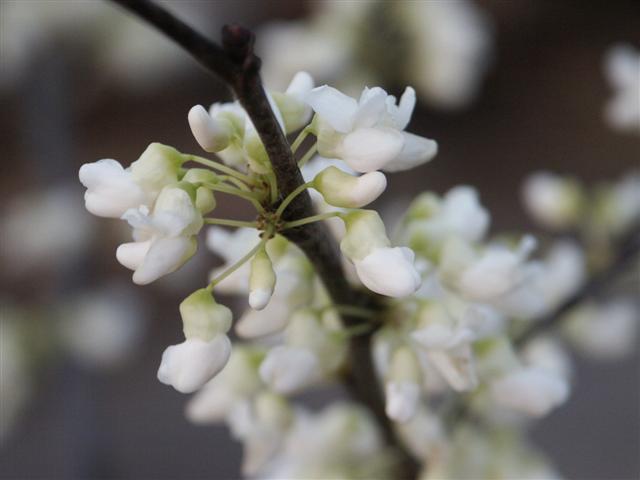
column 606, row 331
column 192, row 363
column 381, row 268
column 389, row 271
column 402, row 400
column 496, row 271
column 349, row 191
column 47, row 228
column 447, row 345
column 431, row 221
column 289, row 369
column 450, row 52
column 212, row 133
column 103, row 328
column 236, row 383
column 262, row 280
column 164, row 239
column 622, row 68
column 295, row 112
column 368, row 134
column 552, row 200
column 112, row 190
column 531, row 390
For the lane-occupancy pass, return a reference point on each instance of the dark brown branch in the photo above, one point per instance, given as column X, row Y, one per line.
column 236, row 64
column 629, row 248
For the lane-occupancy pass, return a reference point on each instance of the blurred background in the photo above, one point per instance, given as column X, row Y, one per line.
column 522, row 89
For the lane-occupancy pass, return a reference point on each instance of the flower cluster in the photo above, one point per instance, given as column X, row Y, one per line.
column 452, row 299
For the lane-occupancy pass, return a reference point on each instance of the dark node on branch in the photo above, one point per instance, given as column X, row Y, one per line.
column 238, row 42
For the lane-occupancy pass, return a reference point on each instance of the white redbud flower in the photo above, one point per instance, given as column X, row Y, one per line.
column 368, row 134
column 348, row 191
column 164, row 239
column 192, row 363
column 202, row 317
column 262, row 280
column 402, row 388
column 533, row 391
column 605, row 331
column 622, row 68
column 295, row 112
column 554, row 201
column 212, row 134
column 288, row 369
column 495, row 272
column 381, row 268
column 112, row 190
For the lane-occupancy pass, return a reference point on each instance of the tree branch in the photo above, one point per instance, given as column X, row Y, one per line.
column 237, row 65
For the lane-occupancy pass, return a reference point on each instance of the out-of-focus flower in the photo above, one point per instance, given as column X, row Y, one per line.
column 554, row 201
column 102, row 328
column 443, row 48
column 622, row 69
column 44, row 229
column 604, row 331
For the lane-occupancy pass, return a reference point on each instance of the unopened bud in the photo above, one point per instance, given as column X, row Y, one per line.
column 205, row 200
column 262, row 280
column 202, row 317
column 212, row 134
column 343, row 190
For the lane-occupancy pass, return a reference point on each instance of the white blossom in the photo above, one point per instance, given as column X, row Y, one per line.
column 389, row 271
column 605, row 331
column 164, row 238
column 349, row 191
column 369, row 134
column 533, row 391
column 288, row 369
column 622, row 68
column 552, row 200
column 112, row 190
column 189, row 365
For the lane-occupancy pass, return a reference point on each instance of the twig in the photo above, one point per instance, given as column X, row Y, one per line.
column 237, row 65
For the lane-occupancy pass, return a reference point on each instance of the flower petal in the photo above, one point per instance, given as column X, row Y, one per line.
column 333, row 106
column 369, row 149
column 416, row 150
column 165, row 255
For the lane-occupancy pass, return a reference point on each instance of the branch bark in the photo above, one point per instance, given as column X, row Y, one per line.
column 236, row 64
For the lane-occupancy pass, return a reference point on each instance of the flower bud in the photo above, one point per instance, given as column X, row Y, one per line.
column 389, row 271
column 365, row 232
column 157, row 167
column 205, row 200
column 200, row 175
column 212, row 134
column 289, row 369
column 273, row 411
column 533, row 391
column 202, row 317
column 402, row 389
column 348, row 191
column 192, row 363
column 552, row 200
column 262, row 280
